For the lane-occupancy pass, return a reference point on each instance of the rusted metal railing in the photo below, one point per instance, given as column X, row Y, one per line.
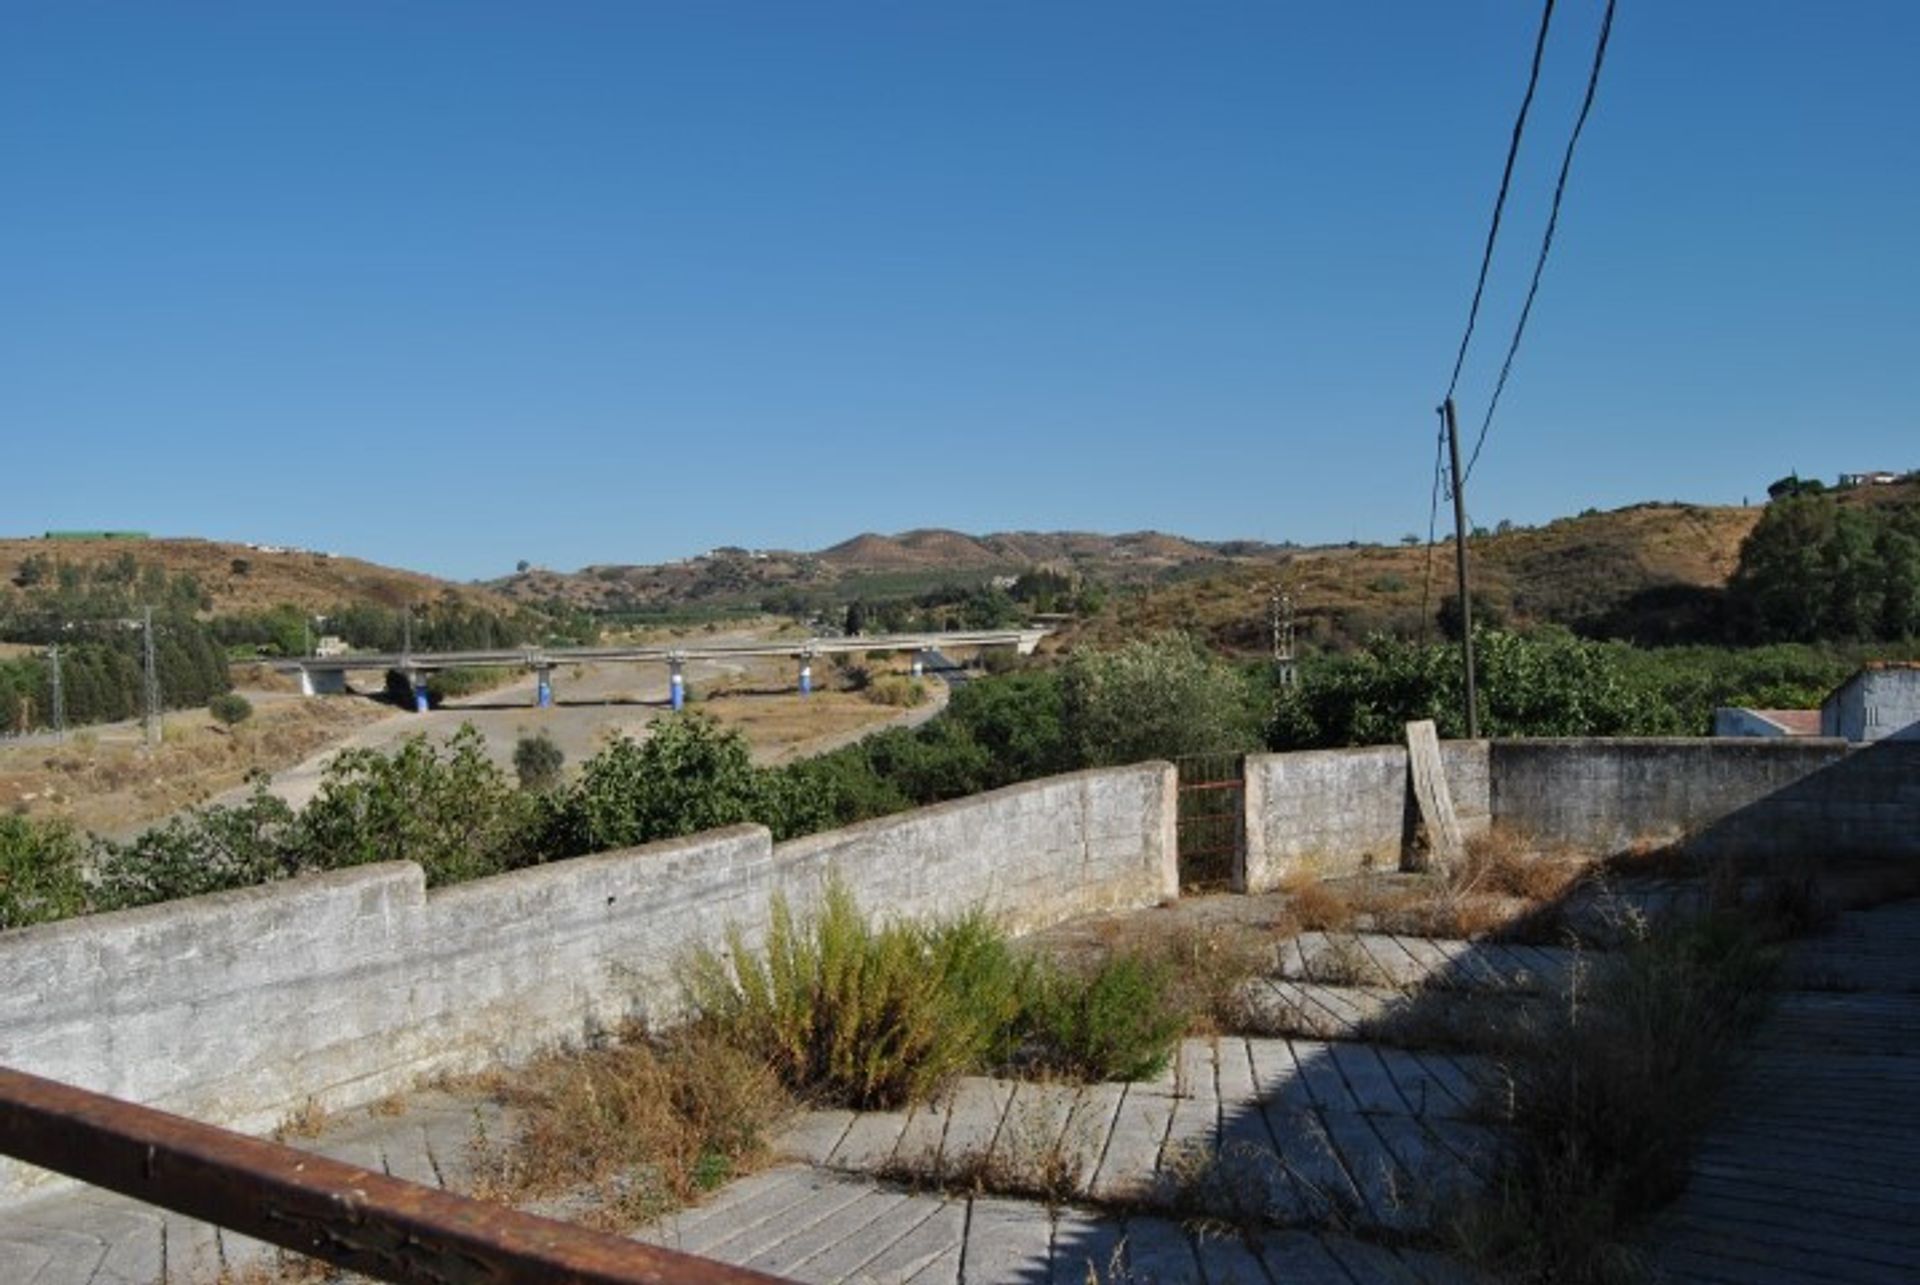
column 366, row 1222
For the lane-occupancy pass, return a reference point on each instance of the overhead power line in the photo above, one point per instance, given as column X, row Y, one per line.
column 1546, row 240
column 1506, row 180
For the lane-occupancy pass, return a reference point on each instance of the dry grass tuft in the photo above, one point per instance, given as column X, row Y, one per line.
column 310, row 1120
column 1606, row 1095
column 1504, row 863
column 645, row 1124
column 1318, row 907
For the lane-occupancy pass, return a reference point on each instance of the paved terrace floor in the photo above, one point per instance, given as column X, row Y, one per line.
column 1812, row 1172
column 1339, row 1146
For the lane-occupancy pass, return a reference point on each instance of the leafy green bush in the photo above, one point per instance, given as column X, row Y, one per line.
column 200, row 851
column 868, row 1016
column 1545, row 684
column 1117, row 1022
column 230, row 708
column 1156, row 698
column 42, row 875
column 689, row 775
column 447, row 807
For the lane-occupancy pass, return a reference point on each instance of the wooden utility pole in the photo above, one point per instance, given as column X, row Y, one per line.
column 1460, row 568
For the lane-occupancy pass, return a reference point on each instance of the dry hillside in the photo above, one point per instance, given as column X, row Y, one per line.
column 1579, row 571
column 240, row 578
column 881, row 564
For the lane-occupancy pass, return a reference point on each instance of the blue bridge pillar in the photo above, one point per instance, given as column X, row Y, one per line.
column 543, row 686
column 806, row 675
column 421, row 704
column 676, row 684
column 919, row 663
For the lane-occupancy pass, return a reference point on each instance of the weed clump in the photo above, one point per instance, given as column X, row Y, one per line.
column 648, row 1124
column 878, row 1016
column 863, row 1015
column 1607, row 1096
column 1118, row 1021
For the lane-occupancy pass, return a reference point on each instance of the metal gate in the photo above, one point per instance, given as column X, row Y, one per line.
column 1212, row 820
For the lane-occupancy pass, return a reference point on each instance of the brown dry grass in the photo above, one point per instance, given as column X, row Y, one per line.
column 643, row 1125
column 779, row 725
column 108, row 780
column 309, row 1120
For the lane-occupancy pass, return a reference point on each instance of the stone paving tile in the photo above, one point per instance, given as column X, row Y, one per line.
column 1133, row 1149
column 869, row 1142
column 1812, row 1170
column 1008, row 1240
column 1388, row 960
column 926, row 1251
column 976, row 1111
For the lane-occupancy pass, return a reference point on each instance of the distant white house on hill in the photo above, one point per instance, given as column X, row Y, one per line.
column 1880, row 702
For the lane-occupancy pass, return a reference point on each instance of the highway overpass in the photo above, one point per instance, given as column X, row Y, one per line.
column 321, row 674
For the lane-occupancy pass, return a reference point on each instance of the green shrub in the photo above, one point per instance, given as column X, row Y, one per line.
column 868, row 1016
column 1118, row 1022
column 200, row 851
column 230, row 708
column 689, row 775
column 537, row 761
column 1157, row 698
column 41, row 872
column 447, row 807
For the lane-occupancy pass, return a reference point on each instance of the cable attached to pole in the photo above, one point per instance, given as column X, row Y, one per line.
column 1500, row 201
column 1546, row 240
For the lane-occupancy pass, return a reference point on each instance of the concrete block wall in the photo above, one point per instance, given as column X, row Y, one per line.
column 238, row 1008
column 1339, row 812
column 1095, row 840
column 1768, row 800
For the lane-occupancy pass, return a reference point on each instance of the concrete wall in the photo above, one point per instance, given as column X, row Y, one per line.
column 1334, row 812
column 238, row 1008
column 1779, row 800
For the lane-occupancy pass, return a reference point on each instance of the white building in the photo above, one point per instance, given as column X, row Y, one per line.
column 1881, row 702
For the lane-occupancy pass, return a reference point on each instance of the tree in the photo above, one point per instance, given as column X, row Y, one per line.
column 689, row 775
column 1813, row 569
column 522, row 566
column 1162, row 697
column 446, row 807
column 537, row 761
column 1792, row 486
column 230, row 708
column 856, row 622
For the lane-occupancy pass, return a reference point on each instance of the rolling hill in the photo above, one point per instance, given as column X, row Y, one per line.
column 240, row 577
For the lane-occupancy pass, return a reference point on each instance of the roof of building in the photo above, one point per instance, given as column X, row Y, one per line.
column 1794, row 722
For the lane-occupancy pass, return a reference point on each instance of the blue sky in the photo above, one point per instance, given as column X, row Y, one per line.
column 448, row 285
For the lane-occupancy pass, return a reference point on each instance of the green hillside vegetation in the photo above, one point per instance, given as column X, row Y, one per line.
column 93, row 609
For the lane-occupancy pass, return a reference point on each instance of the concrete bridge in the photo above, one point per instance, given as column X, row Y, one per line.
column 328, row 674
